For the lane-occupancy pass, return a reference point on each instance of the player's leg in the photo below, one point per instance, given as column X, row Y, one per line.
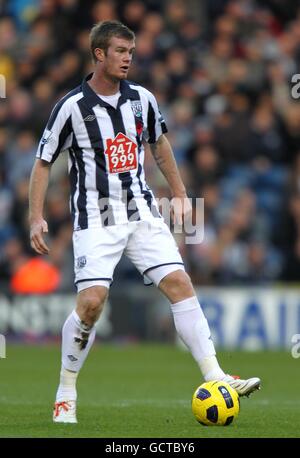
column 96, row 253
column 190, row 322
column 153, row 250
column 156, row 256
column 78, row 335
column 193, row 329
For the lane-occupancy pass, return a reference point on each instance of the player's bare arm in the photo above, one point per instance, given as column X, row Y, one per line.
column 164, row 158
column 37, row 191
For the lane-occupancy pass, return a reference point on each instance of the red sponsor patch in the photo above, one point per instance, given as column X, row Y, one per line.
column 121, row 152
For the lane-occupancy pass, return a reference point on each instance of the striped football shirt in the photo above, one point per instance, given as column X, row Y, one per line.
column 105, row 153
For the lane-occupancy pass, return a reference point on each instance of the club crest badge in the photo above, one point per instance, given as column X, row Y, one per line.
column 136, row 106
column 81, row 262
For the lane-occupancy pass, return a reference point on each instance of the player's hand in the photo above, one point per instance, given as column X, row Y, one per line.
column 181, row 210
column 37, row 242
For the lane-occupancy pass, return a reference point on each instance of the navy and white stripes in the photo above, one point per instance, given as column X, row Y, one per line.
column 83, row 123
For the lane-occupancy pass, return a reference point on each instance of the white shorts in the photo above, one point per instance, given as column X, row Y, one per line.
column 148, row 244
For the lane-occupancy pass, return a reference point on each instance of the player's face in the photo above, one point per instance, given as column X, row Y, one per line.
column 118, row 57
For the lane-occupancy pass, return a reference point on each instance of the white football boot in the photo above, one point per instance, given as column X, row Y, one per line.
column 242, row 387
column 65, row 412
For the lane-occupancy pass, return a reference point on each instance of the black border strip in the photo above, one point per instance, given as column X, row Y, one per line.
column 161, row 265
column 92, row 279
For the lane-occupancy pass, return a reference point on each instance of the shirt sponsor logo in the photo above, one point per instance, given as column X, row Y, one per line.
column 121, row 154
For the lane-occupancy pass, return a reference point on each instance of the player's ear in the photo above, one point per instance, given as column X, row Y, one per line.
column 99, row 53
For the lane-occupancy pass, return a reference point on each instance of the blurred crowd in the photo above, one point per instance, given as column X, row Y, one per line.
column 221, row 71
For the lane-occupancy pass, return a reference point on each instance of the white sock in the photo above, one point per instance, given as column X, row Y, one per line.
column 192, row 327
column 67, row 386
column 73, row 333
column 210, row 369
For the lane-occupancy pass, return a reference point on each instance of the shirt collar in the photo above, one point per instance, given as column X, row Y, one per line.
column 93, row 99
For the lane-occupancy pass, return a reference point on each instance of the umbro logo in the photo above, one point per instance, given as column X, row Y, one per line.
column 72, row 358
column 90, row 118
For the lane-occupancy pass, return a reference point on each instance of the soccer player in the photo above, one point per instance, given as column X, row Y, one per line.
column 103, row 124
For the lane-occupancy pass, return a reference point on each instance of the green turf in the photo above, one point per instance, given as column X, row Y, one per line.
column 143, row 391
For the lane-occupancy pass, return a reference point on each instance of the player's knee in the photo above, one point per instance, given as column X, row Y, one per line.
column 93, row 305
column 177, row 285
column 91, row 302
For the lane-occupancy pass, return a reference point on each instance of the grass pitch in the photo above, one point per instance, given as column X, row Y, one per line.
column 143, row 391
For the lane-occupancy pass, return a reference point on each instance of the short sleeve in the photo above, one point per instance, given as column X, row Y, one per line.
column 156, row 125
column 57, row 134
